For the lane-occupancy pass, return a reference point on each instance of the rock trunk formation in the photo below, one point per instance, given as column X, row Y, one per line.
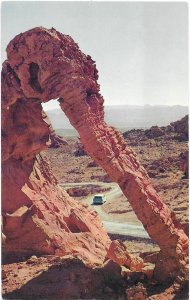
column 43, row 65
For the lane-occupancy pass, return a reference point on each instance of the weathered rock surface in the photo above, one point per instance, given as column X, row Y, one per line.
column 43, row 65
column 43, row 219
column 38, row 216
column 166, row 161
column 182, row 128
column 55, row 140
column 154, row 131
column 54, row 277
column 119, row 254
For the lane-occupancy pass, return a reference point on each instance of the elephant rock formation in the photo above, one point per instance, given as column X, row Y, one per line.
column 43, row 65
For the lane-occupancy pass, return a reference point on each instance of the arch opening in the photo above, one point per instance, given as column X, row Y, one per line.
column 59, row 120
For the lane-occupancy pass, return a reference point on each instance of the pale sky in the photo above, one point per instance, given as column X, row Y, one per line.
column 140, row 48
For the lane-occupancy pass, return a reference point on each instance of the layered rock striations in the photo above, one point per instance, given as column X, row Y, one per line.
column 43, row 65
column 38, row 216
column 41, row 218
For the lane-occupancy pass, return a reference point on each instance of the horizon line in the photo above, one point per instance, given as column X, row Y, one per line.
column 139, row 105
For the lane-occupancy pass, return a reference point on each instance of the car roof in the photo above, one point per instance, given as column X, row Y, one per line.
column 99, row 195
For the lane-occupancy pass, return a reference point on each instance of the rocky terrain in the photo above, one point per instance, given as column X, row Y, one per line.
column 77, row 167
column 163, row 151
column 55, row 277
column 45, row 228
column 164, row 154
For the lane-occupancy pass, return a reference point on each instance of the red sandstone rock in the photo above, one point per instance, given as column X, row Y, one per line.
column 119, row 254
column 54, row 277
column 44, row 219
column 55, row 140
column 148, row 269
column 43, row 65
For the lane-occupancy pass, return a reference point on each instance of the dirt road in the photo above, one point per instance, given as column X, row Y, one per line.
column 134, row 229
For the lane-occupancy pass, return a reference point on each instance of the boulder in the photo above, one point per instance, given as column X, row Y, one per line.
column 119, row 254
column 182, row 128
column 154, row 132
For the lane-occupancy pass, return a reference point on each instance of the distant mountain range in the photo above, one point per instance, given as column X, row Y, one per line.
column 127, row 117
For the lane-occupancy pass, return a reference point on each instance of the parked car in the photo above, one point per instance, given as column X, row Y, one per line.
column 99, row 199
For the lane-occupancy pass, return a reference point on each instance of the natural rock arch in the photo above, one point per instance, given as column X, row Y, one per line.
column 43, row 65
